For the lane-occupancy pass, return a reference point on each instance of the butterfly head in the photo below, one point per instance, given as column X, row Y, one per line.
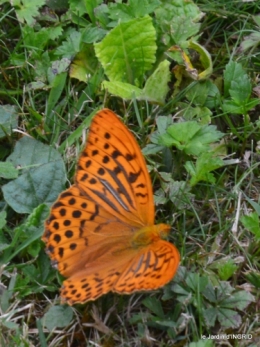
column 162, row 230
column 150, row 234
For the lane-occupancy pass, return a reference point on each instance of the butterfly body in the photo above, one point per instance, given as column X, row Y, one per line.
column 101, row 233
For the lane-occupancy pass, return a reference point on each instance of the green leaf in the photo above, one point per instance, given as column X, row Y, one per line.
column 205, row 163
column 238, row 85
column 226, row 317
column 179, row 134
column 26, row 10
column 180, row 195
column 241, row 89
column 190, row 137
column 57, row 317
column 133, row 9
column 227, row 269
column 155, row 306
column 78, row 6
column 155, row 90
column 152, row 149
column 229, row 318
column 232, row 72
column 240, row 299
column 128, row 51
column 8, row 171
column 38, row 39
column 186, row 15
column 204, row 93
column 196, row 282
column 124, row 90
column 85, row 64
column 250, row 41
column 8, row 119
column 42, row 179
column 92, row 34
column 156, row 87
column 71, row 46
column 251, row 222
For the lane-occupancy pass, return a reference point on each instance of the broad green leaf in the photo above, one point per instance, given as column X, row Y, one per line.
column 156, row 87
column 78, row 6
column 38, row 39
column 178, row 289
column 124, row 90
column 84, row 64
column 205, row 163
column 26, row 10
column 128, row 51
column 179, row 134
column 152, row 149
column 155, row 306
column 204, row 93
column 42, row 176
column 217, row 294
column 241, row 90
column 232, row 71
column 185, row 24
column 133, row 9
column 229, row 318
column 190, row 137
column 8, row 171
column 251, row 222
column 92, row 34
column 239, row 300
column 163, row 123
column 210, row 316
column 250, row 41
column 180, row 195
column 8, row 119
column 71, row 46
column 230, row 106
column 101, row 16
column 196, row 282
column 57, row 317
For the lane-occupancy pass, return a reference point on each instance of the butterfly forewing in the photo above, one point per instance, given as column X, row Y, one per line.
column 112, row 171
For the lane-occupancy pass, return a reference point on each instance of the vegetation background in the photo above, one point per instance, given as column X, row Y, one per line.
column 183, row 75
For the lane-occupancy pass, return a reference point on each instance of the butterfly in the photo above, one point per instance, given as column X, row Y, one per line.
column 100, row 234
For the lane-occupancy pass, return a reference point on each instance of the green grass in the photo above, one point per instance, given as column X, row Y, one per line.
column 187, row 86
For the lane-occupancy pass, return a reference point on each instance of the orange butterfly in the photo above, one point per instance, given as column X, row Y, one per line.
column 101, row 233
